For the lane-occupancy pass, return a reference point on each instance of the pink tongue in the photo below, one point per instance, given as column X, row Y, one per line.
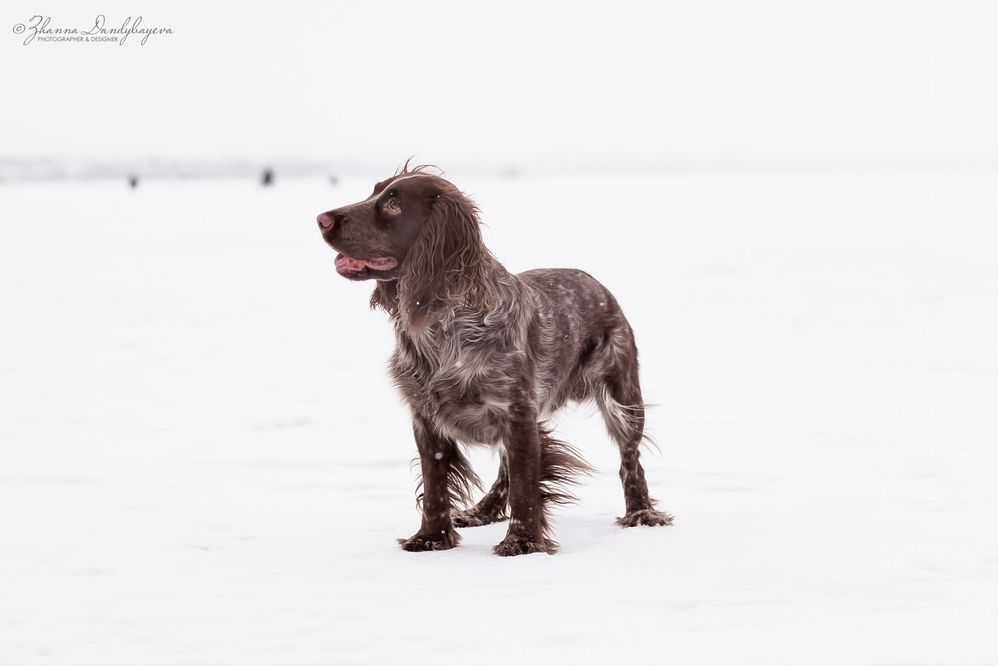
column 345, row 263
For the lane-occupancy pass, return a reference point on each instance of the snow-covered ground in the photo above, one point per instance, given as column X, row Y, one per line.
column 203, row 462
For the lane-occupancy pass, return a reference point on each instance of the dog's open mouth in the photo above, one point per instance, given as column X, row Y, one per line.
column 352, row 267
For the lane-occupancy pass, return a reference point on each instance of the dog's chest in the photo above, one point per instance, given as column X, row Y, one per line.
column 459, row 386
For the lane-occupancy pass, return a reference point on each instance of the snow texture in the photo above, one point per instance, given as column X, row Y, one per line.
column 202, row 460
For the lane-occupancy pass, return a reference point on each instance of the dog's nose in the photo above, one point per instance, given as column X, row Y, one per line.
column 326, row 221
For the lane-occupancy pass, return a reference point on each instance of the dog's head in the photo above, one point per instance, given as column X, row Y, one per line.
column 416, row 234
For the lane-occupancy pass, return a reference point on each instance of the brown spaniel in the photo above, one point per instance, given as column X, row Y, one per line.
column 483, row 357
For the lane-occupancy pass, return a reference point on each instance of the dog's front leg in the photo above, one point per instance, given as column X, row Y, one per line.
column 441, row 465
column 527, row 521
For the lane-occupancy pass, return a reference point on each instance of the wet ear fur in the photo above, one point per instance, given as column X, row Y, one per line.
column 446, row 266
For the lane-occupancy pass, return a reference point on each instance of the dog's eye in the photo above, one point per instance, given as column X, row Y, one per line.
column 393, row 205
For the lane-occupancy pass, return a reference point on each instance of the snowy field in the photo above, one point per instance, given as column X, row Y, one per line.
column 202, row 460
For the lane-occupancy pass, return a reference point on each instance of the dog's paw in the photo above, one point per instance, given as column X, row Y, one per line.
column 649, row 517
column 422, row 542
column 511, row 546
column 473, row 518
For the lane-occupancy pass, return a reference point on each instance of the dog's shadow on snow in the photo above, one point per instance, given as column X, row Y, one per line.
column 575, row 534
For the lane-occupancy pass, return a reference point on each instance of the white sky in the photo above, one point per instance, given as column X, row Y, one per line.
column 512, row 83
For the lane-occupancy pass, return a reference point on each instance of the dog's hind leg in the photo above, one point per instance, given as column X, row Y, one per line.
column 620, row 403
column 492, row 507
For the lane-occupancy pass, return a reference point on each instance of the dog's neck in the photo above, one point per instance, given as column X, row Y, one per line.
column 414, row 319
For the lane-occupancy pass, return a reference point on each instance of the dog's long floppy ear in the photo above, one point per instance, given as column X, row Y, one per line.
column 447, row 265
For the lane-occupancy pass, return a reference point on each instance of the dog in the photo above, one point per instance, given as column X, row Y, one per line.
column 484, row 357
